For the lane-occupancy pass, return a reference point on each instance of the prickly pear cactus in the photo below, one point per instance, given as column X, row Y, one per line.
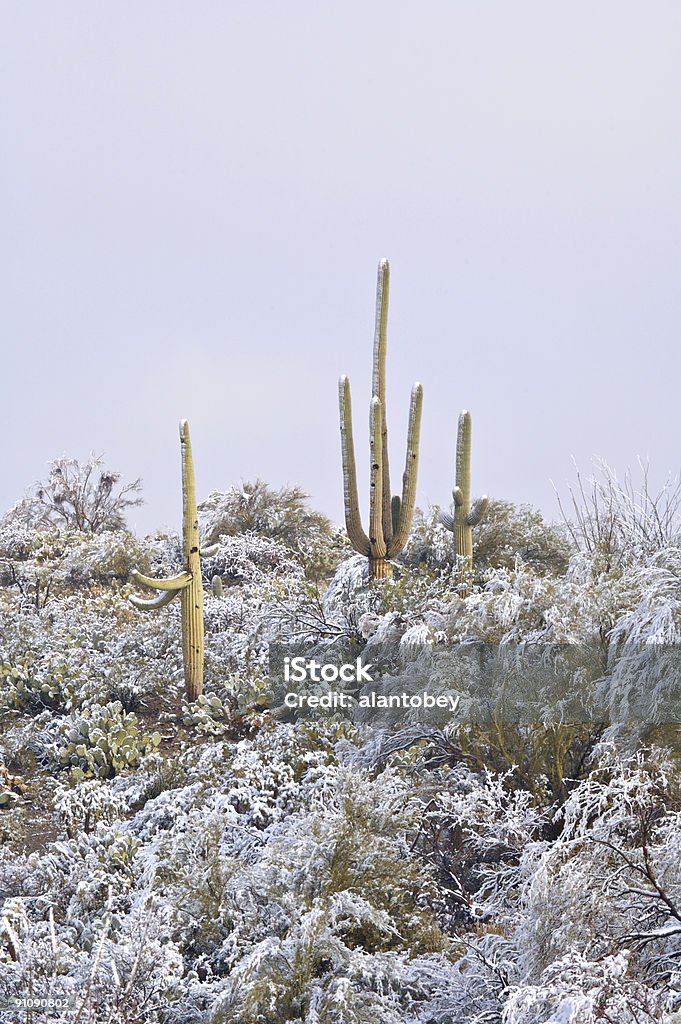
column 102, row 740
column 208, row 715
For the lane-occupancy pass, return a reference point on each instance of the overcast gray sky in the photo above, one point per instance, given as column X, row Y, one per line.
column 195, row 196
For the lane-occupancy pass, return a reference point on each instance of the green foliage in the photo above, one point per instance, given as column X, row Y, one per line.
column 507, row 533
column 253, row 507
column 519, row 531
column 543, row 759
column 102, row 740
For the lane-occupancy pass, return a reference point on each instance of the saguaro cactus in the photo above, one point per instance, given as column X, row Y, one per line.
column 188, row 584
column 465, row 516
column 389, row 517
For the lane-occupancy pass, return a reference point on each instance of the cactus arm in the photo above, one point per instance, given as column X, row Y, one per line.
column 174, row 583
column 401, row 534
column 379, row 385
column 478, row 510
column 376, row 537
column 353, row 523
column 162, row 599
column 395, row 508
column 209, row 551
column 447, row 521
column 457, row 495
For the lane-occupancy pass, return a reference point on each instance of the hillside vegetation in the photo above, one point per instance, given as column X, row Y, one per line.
column 172, row 862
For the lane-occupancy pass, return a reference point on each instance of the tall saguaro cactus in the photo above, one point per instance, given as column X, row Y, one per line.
column 466, row 516
column 188, row 584
column 389, row 517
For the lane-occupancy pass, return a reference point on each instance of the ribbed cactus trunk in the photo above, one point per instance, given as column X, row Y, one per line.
column 465, row 516
column 463, row 530
column 192, row 596
column 188, row 584
column 389, row 518
column 380, row 569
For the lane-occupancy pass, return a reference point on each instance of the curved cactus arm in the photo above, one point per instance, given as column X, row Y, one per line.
column 209, row 551
column 376, row 537
column 174, row 583
column 409, row 476
column 162, row 599
column 353, row 522
column 477, row 512
column 447, row 521
column 379, row 384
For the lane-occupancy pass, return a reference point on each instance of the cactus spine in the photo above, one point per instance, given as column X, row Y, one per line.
column 466, row 516
column 188, row 584
column 389, row 517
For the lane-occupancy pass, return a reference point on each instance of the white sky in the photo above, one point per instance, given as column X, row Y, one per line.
column 195, row 197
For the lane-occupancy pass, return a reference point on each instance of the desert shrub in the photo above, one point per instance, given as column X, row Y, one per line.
column 17, row 533
column 83, row 496
column 280, row 514
column 81, row 807
column 102, row 557
column 624, row 522
column 507, row 533
column 510, row 531
column 248, row 558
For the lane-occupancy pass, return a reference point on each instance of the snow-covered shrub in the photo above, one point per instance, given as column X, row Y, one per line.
column 248, row 558
column 506, row 534
column 619, row 523
column 103, row 557
column 576, row 990
column 611, row 883
column 283, row 515
column 509, row 532
column 79, row 808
